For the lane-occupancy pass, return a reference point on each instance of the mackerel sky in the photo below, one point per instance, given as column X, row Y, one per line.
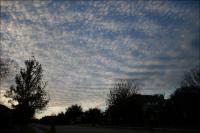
column 84, row 46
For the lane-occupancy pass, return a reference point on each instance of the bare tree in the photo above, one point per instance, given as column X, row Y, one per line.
column 191, row 79
column 123, row 89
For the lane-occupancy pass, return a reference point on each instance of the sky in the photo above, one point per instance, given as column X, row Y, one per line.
column 84, row 46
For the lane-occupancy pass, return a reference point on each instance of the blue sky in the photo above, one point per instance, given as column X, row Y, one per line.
column 84, row 46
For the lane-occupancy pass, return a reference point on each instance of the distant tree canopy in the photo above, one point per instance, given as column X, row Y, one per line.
column 29, row 92
column 93, row 116
column 74, row 110
column 73, row 113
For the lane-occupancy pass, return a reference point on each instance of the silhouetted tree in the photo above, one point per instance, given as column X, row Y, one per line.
column 73, row 113
column 119, row 102
column 48, row 119
column 191, row 79
column 122, row 90
column 93, row 116
column 29, row 92
column 60, row 118
column 186, row 99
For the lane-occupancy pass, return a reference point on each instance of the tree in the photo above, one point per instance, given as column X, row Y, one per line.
column 189, row 85
column 73, row 113
column 120, row 100
column 122, row 90
column 93, row 116
column 29, row 92
column 186, row 98
column 191, row 79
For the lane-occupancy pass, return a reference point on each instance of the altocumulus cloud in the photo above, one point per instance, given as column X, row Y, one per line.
column 85, row 45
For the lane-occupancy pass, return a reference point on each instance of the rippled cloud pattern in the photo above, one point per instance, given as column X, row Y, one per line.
column 84, row 46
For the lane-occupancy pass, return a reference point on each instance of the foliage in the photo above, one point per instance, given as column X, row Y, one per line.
column 29, row 92
column 73, row 113
column 93, row 116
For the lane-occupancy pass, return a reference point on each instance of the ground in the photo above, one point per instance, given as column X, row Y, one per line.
column 37, row 128
column 84, row 129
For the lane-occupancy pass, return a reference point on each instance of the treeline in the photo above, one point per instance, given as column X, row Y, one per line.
column 127, row 107
column 75, row 115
